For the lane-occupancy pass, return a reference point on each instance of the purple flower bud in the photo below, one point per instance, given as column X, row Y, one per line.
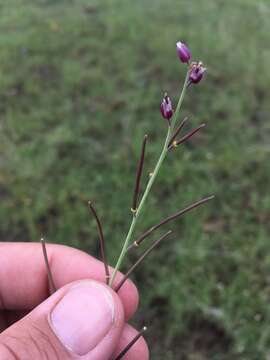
column 183, row 52
column 166, row 108
column 196, row 72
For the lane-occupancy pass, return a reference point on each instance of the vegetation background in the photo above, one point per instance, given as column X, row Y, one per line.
column 80, row 84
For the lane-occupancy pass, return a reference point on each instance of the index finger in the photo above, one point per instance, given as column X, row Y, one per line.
column 23, row 274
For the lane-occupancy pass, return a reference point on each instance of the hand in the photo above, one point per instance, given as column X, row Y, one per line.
column 83, row 319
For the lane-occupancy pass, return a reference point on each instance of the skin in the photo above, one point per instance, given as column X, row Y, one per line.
column 24, row 286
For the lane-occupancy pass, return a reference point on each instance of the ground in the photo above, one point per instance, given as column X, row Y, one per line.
column 80, row 84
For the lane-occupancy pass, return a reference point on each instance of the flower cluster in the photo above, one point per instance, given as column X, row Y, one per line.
column 195, row 74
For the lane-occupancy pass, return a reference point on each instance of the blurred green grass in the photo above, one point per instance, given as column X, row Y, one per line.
column 80, row 83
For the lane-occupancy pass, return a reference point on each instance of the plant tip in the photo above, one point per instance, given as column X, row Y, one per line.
column 183, row 52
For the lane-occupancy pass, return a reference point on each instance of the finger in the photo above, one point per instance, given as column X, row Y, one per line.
column 9, row 317
column 23, row 275
column 82, row 319
column 139, row 351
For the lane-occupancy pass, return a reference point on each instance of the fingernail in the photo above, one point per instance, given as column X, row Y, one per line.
column 83, row 317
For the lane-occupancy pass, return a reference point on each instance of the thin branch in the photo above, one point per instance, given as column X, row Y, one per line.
column 132, row 342
column 142, row 257
column 177, row 131
column 138, row 176
column 137, row 242
column 52, row 286
column 175, row 143
column 150, row 183
column 101, row 241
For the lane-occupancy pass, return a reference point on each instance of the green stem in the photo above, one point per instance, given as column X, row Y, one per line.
column 181, row 98
column 150, row 182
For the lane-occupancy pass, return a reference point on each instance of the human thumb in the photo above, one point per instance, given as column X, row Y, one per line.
column 81, row 320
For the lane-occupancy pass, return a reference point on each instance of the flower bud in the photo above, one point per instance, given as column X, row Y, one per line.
column 166, row 107
column 196, row 72
column 183, row 52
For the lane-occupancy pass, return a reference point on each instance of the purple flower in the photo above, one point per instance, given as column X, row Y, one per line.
column 196, row 72
column 166, row 108
column 183, row 52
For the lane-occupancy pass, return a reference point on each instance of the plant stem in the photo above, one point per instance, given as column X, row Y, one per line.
column 151, row 181
column 132, row 342
column 52, row 287
column 138, row 241
column 186, row 137
column 141, row 258
column 101, row 242
column 177, row 131
column 138, row 176
column 181, row 98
